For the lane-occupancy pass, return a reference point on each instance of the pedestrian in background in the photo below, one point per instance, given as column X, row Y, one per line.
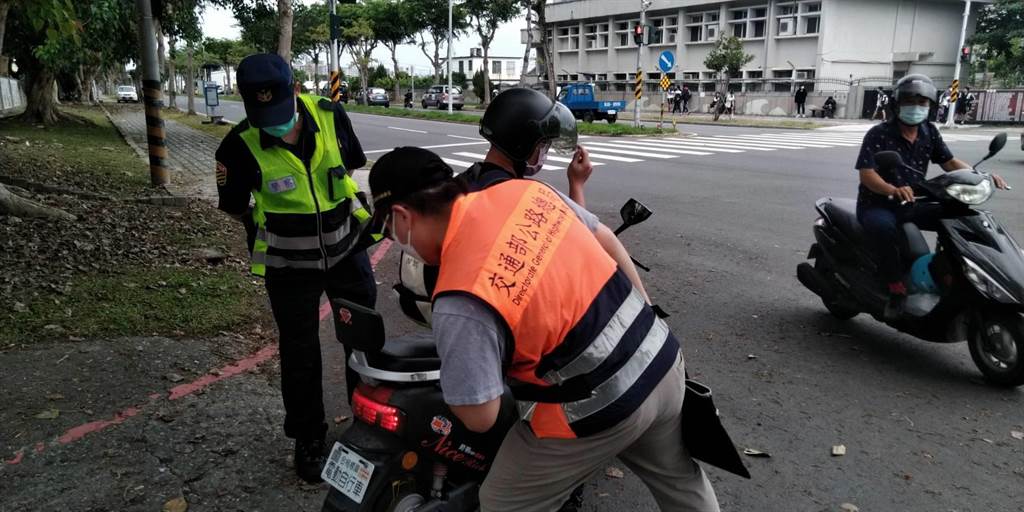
column 686, row 99
column 730, row 104
column 800, row 98
column 881, row 104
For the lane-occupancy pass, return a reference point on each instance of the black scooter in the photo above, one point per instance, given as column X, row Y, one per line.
column 970, row 288
column 406, row 451
column 408, row 100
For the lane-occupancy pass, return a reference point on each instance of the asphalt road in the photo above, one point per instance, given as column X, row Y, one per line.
column 733, row 212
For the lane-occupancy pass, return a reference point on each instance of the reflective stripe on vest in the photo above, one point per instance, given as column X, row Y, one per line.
column 306, row 218
column 587, row 350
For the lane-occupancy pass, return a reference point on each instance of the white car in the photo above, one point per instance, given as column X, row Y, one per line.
column 127, row 93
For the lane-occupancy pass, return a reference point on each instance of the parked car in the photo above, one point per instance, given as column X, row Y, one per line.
column 378, row 96
column 437, row 96
column 127, row 93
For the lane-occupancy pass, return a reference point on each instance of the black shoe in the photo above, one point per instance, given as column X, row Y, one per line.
column 894, row 307
column 309, row 459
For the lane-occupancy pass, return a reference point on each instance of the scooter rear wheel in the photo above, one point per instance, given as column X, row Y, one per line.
column 996, row 342
column 406, row 501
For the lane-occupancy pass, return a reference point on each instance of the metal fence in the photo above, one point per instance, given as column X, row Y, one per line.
column 12, row 99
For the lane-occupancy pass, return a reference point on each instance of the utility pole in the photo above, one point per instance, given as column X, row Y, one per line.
column 450, row 91
column 639, row 62
column 412, row 81
column 951, row 115
column 152, row 95
column 333, row 57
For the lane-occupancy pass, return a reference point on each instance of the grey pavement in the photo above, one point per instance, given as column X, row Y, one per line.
column 190, row 152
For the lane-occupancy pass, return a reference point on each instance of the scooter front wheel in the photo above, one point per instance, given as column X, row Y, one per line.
column 406, row 501
column 996, row 342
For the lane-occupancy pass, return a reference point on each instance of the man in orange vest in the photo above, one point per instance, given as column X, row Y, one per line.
column 525, row 292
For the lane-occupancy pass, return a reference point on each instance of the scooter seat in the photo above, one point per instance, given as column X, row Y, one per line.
column 842, row 213
column 410, row 353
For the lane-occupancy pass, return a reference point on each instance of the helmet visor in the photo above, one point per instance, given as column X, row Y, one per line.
column 559, row 127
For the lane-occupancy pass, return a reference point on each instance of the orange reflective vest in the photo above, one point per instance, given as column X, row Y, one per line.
column 588, row 350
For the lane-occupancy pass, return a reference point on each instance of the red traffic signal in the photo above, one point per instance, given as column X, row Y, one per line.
column 638, row 34
column 965, row 53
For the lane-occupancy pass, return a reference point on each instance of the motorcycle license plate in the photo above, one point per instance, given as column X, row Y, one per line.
column 612, row 112
column 347, row 472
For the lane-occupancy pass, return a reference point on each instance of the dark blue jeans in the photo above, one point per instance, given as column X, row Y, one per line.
column 883, row 228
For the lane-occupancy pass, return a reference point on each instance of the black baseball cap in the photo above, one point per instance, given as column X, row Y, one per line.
column 265, row 83
column 402, row 172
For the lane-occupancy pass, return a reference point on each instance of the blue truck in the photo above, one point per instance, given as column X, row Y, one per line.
column 580, row 99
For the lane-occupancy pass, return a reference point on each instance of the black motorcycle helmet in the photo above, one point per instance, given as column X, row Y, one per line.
column 915, row 85
column 518, row 119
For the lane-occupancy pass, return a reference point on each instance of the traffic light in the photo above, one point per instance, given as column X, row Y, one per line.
column 965, row 53
column 638, row 34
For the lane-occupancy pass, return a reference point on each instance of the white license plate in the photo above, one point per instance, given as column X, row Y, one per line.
column 348, row 472
column 612, row 112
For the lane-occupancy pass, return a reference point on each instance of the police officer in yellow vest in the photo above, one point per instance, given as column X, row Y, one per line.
column 526, row 292
column 294, row 155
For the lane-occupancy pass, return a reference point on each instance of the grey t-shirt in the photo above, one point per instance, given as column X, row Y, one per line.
column 471, row 340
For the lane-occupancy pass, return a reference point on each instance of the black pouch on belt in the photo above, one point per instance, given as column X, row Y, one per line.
column 703, row 433
column 334, row 173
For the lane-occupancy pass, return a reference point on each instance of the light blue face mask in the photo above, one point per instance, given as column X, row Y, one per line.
column 913, row 115
column 280, row 130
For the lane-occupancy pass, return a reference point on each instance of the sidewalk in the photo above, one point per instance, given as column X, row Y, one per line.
column 190, row 152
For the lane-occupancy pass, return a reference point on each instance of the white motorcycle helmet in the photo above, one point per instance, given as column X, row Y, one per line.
column 415, row 289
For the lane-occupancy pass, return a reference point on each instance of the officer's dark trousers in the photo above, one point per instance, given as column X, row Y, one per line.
column 883, row 227
column 295, row 300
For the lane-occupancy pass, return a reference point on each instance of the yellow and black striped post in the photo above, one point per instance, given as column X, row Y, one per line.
column 335, row 86
column 639, row 90
column 155, row 132
column 954, row 91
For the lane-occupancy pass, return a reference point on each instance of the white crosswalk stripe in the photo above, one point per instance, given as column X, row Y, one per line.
column 627, row 150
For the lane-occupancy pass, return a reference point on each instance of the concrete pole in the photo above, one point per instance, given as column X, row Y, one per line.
column 450, row 91
column 335, row 78
column 639, row 60
column 951, row 115
column 152, row 95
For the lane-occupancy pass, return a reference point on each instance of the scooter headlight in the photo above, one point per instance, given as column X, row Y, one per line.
column 985, row 284
column 971, row 194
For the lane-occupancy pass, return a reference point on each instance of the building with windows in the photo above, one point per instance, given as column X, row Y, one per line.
column 504, row 71
column 825, row 44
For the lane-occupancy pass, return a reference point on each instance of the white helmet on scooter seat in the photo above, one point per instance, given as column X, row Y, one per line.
column 415, row 289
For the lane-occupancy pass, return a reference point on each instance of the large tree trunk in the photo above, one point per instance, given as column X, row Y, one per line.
column 11, row 204
column 435, row 60
column 316, row 67
column 191, row 86
column 284, row 29
column 529, row 46
column 549, row 62
column 172, row 78
column 89, row 80
column 487, row 75
column 394, row 61
column 41, row 98
column 161, row 49
column 5, row 6
column 227, row 77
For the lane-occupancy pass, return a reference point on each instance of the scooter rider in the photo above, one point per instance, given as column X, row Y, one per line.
column 885, row 199
column 595, row 372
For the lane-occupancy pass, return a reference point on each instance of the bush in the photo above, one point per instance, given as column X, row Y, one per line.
column 478, row 84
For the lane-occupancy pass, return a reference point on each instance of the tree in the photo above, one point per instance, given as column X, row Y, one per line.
column 545, row 54
column 312, row 36
column 999, row 40
column 180, row 20
column 358, row 36
column 285, row 15
column 394, row 23
column 258, row 21
column 222, row 53
column 479, row 83
column 433, row 14
column 5, row 6
column 727, row 58
column 486, row 16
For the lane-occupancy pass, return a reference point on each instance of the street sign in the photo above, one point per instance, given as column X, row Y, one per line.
column 666, row 60
column 665, row 83
column 639, row 90
column 954, row 92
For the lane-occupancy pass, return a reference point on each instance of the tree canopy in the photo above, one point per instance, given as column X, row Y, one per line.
column 999, row 40
column 727, row 58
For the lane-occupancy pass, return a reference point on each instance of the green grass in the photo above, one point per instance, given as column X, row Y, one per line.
column 752, row 123
column 597, row 128
column 139, row 302
column 89, row 155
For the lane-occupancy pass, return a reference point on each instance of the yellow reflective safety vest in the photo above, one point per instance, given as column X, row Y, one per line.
column 307, row 218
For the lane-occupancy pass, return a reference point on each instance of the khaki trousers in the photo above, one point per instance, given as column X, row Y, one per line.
column 531, row 474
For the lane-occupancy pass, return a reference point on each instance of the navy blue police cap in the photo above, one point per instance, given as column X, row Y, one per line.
column 265, row 83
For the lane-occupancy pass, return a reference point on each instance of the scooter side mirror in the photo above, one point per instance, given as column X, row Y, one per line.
column 634, row 212
column 997, row 144
column 888, row 159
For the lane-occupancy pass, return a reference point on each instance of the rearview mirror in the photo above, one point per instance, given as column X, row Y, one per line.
column 997, row 144
column 888, row 159
column 634, row 212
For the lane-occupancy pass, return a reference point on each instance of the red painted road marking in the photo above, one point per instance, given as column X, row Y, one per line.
column 242, row 365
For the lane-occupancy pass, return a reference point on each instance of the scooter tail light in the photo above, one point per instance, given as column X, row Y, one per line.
column 370, row 406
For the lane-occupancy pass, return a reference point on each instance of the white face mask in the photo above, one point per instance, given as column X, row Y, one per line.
column 406, row 247
column 532, row 169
